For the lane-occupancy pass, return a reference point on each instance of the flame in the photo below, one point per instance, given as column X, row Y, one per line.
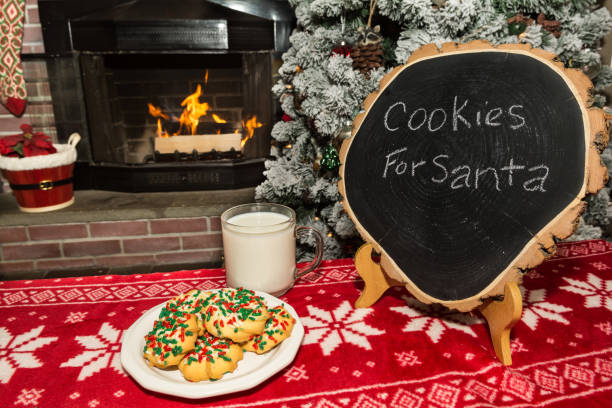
column 217, row 119
column 249, row 127
column 156, row 112
column 160, row 130
column 193, row 111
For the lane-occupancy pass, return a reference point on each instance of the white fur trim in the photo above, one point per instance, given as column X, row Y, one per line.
column 66, row 154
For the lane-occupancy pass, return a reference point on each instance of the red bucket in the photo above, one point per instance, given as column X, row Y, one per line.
column 42, row 190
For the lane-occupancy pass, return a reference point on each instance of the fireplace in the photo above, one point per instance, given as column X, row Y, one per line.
column 122, row 73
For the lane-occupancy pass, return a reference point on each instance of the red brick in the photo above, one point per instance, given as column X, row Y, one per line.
column 32, row 15
column 118, row 228
column 168, row 225
column 33, row 251
column 125, row 260
column 57, row 231
column 91, row 248
column 46, row 265
column 44, row 89
column 136, row 245
column 16, row 266
column 37, row 48
column 35, row 69
column 41, row 109
column 215, row 223
column 11, row 123
column 32, row 34
column 41, row 120
column 202, row 241
column 32, row 89
column 188, row 257
column 13, row 234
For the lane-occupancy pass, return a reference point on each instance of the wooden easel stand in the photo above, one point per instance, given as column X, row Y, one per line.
column 501, row 316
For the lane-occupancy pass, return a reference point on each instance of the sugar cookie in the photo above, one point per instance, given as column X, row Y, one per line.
column 277, row 328
column 194, row 302
column 173, row 335
column 211, row 359
column 236, row 314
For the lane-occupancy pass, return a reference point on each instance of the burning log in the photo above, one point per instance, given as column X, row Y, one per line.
column 222, row 142
column 193, row 110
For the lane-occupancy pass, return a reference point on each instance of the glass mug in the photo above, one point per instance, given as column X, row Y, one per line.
column 259, row 247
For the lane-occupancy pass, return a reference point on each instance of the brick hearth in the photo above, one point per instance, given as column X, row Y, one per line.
column 108, row 232
column 103, row 232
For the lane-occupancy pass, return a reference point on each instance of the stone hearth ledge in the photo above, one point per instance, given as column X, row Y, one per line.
column 95, row 205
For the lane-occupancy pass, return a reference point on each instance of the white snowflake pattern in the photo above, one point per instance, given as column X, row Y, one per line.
column 600, row 266
column 296, row 374
column 101, row 350
column 17, row 351
column 29, row 397
column 407, row 358
column 516, row 346
column 535, row 308
column 434, row 320
column 596, row 291
column 75, row 317
column 605, row 327
column 330, row 329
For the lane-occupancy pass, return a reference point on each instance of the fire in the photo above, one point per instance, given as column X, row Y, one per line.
column 217, row 119
column 193, row 110
column 156, row 112
column 160, row 130
column 249, row 127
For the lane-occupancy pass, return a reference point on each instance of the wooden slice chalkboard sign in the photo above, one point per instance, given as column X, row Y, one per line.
column 468, row 163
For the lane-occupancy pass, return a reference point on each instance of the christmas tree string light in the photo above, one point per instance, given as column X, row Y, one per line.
column 328, row 89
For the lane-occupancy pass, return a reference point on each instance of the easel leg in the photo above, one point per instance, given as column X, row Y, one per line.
column 501, row 317
column 375, row 279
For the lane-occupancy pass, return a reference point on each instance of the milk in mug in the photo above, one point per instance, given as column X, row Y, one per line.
column 259, row 251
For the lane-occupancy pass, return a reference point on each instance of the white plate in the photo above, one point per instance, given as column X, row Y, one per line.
column 252, row 370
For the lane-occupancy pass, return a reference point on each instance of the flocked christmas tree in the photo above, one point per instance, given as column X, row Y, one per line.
column 340, row 51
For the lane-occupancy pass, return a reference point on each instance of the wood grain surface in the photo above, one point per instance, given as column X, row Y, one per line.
column 468, row 163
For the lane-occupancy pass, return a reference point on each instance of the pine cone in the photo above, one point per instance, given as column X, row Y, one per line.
column 520, row 18
column 367, row 57
column 552, row 26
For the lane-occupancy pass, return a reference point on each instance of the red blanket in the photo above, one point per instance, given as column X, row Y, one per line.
column 60, row 342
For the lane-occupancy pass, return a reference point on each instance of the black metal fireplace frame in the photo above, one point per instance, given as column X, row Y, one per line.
column 77, row 32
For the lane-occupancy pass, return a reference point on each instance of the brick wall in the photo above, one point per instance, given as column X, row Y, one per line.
column 110, row 246
column 39, row 109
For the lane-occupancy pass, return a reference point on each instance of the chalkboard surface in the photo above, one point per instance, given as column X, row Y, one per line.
column 460, row 161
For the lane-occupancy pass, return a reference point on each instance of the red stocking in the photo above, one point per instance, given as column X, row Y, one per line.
column 12, row 85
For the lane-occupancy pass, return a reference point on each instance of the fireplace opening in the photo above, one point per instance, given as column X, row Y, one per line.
column 143, row 106
column 166, row 98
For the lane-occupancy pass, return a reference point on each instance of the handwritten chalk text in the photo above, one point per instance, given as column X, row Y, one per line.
column 458, row 176
column 458, row 117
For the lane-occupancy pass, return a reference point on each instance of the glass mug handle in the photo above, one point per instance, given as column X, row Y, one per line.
column 318, row 251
